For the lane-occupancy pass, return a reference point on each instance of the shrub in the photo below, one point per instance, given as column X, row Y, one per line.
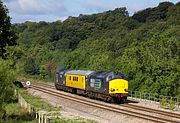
column 6, row 86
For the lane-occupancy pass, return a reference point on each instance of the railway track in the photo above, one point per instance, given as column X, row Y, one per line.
column 170, row 114
column 133, row 110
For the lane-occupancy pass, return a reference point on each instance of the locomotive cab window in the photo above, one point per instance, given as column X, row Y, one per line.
column 70, row 78
column 110, row 77
column 120, row 75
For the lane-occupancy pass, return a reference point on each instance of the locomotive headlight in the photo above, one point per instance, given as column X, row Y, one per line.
column 126, row 90
column 112, row 90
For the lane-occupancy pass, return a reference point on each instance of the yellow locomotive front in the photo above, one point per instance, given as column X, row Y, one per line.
column 118, row 88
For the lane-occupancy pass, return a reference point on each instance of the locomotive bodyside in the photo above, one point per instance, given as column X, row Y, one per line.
column 75, row 81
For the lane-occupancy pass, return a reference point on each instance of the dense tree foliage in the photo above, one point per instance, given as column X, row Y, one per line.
column 145, row 46
column 7, row 36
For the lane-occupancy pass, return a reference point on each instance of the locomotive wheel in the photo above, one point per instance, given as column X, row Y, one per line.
column 109, row 99
column 123, row 100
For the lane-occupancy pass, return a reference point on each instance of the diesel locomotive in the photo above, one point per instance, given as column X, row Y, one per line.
column 107, row 86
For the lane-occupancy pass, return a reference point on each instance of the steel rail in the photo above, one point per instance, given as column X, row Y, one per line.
column 105, row 106
column 142, row 108
column 169, row 114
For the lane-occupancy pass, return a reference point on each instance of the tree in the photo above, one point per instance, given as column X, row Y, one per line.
column 7, row 36
column 152, row 14
column 31, row 67
column 142, row 15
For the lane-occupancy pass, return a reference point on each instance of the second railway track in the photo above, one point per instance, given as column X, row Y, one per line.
column 138, row 111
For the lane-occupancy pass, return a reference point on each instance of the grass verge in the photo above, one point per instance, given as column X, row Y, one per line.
column 37, row 102
column 40, row 104
column 15, row 114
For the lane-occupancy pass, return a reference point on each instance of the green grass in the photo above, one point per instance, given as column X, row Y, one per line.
column 15, row 114
column 40, row 104
column 74, row 120
column 37, row 102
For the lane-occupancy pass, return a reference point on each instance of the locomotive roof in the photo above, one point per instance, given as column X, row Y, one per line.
column 101, row 74
column 80, row 72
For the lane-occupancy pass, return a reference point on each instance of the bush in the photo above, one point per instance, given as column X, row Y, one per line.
column 6, row 86
column 164, row 103
column 31, row 67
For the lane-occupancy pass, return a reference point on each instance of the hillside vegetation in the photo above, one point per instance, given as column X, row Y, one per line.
column 145, row 46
